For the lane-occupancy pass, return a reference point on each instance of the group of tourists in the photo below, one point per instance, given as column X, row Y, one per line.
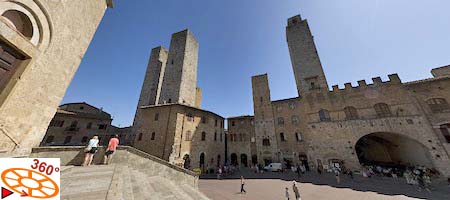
column 419, row 176
column 92, row 148
column 226, row 170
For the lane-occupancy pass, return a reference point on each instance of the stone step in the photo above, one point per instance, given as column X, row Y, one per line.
column 193, row 192
column 168, row 189
column 86, row 183
column 142, row 189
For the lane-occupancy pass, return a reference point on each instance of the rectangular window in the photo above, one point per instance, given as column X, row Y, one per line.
column 102, row 126
column 89, row 125
column 156, row 116
column 190, row 117
column 57, row 123
column 204, row 120
column 266, row 142
column 215, row 123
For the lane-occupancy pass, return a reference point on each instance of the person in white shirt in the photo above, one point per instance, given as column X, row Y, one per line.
column 90, row 150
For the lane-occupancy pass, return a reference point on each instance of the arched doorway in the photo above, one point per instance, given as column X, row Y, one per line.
column 254, row 159
column 390, row 149
column 202, row 161
column 218, row 160
column 234, row 160
column 244, row 160
column 304, row 160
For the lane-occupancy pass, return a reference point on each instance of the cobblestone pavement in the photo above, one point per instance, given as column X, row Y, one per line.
column 314, row 186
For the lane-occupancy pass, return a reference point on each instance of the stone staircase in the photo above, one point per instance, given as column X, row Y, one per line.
column 121, row 182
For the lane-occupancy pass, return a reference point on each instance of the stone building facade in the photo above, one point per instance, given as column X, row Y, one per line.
column 42, row 43
column 169, row 122
column 75, row 123
column 171, row 131
column 241, row 143
column 387, row 122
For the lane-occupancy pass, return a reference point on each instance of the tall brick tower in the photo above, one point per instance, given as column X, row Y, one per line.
column 308, row 71
column 151, row 88
column 266, row 141
column 180, row 77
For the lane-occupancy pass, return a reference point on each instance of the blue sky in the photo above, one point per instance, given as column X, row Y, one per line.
column 240, row 38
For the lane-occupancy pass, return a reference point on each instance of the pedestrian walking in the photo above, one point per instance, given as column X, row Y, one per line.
column 298, row 171
column 296, row 192
column 287, row 194
column 242, row 185
column 90, row 150
column 319, row 169
column 112, row 146
column 337, row 173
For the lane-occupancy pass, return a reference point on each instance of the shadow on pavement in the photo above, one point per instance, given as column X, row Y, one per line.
column 381, row 185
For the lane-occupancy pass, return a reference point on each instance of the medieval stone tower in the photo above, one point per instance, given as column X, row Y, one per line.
column 266, row 141
column 180, row 80
column 171, row 76
column 308, row 72
column 151, row 88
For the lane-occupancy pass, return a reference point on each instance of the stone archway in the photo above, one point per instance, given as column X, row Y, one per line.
column 202, row 161
column 389, row 149
column 234, row 160
column 244, row 160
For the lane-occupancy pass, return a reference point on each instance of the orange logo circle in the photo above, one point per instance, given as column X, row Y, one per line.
column 29, row 185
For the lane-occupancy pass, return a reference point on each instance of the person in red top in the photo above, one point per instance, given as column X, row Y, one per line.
column 113, row 142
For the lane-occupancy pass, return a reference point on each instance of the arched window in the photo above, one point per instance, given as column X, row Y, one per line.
column 324, row 115
column 203, row 136
column 20, row 22
column 280, row 121
column 67, row 139
column 266, row 142
column 445, row 130
column 295, row 119
column 298, row 137
column 50, row 139
column 140, row 137
column 382, row 110
column 438, row 105
column 188, row 136
column 351, row 112
column 84, row 139
column 153, row 136
column 282, row 138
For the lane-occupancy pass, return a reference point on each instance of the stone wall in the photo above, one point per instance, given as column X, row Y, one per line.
column 134, row 158
column 29, row 101
column 178, row 131
column 241, row 138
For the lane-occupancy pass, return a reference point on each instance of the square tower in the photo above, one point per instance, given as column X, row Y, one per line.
column 180, row 77
column 308, row 71
column 266, row 141
column 151, row 88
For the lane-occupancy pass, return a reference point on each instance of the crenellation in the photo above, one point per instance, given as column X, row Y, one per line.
column 362, row 83
column 377, row 81
column 335, row 88
column 348, row 86
column 394, row 79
